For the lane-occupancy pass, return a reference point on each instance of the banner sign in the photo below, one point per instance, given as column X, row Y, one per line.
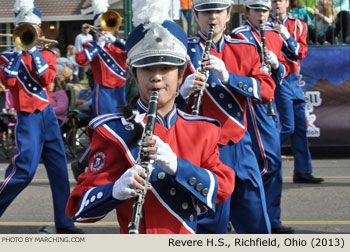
column 325, row 80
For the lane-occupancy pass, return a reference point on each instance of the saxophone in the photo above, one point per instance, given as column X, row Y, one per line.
column 265, row 63
column 206, row 52
column 145, row 161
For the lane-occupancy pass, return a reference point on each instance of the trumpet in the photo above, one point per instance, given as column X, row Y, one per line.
column 26, row 36
column 110, row 21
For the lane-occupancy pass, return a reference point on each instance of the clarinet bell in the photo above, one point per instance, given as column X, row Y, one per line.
column 270, row 109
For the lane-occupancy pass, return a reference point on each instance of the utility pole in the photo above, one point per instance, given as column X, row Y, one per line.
column 127, row 17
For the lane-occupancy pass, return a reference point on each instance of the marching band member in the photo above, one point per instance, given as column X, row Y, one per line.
column 187, row 176
column 107, row 58
column 234, row 76
column 290, row 100
column 28, row 74
column 263, row 125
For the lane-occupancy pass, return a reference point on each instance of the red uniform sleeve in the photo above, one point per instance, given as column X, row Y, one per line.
column 80, row 57
column 267, row 84
column 49, row 75
column 301, row 38
column 114, row 165
column 6, row 80
column 225, row 174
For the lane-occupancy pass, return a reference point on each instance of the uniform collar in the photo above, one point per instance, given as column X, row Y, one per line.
column 217, row 47
column 252, row 26
column 167, row 121
column 273, row 19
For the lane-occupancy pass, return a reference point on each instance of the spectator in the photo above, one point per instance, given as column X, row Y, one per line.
column 61, row 62
column 342, row 10
column 186, row 14
column 81, row 39
column 71, row 50
column 58, row 98
column 322, row 32
column 67, row 73
column 309, row 5
column 83, row 99
column 299, row 11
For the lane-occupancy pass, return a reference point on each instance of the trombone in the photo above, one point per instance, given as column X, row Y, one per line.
column 110, row 21
column 26, row 36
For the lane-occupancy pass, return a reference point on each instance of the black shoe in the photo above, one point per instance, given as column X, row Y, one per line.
column 77, row 169
column 306, row 178
column 282, row 230
column 230, row 227
column 47, row 230
column 70, row 230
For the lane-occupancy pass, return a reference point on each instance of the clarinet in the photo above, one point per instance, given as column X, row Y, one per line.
column 206, row 52
column 145, row 161
column 277, row 15
column 263, row 53
column 264, row 63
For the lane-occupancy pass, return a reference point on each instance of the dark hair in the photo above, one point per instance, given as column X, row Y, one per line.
column 59, row 83
column 127, row 110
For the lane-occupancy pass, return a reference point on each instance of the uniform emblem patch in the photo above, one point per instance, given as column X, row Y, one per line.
column 99, row 162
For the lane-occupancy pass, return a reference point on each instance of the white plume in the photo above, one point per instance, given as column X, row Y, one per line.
column 100, row 6
column 150, row 12
column 23, row 6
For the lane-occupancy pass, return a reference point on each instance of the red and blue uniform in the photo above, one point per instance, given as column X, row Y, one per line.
column 108, row 65
column 290, row 99
column 201, row 181
column 264, row 129
column 28, row 75
column 228, row 104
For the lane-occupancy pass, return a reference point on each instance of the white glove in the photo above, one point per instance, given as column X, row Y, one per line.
column 101, row 41
column 186, row 89
column 219, row 68
column 265, row 69
column 284, row 32
column 110, row 37
column 273, row 60
column 18, row 51
column 123, row 188
column 166, row 158
column 33, row 49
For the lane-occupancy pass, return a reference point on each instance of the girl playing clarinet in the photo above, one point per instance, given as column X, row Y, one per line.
column 187, row 175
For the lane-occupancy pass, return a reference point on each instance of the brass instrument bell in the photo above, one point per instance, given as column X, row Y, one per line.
column 26, row 36
column 110, row 21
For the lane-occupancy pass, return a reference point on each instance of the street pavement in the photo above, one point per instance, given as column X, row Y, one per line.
column 309, row 209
